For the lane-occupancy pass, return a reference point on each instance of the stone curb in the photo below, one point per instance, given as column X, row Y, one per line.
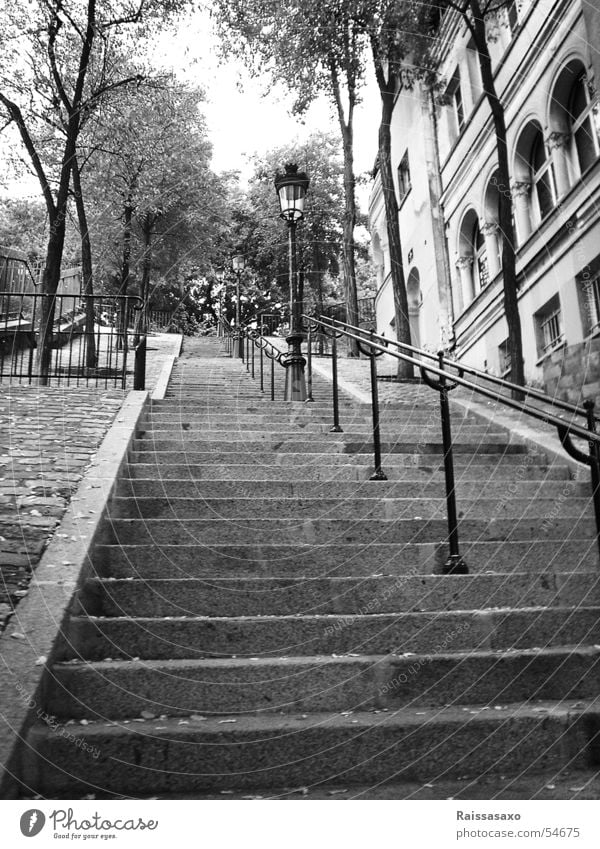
column 346, row 387
column 32, row 635
column 523, row 432
column 160, row 389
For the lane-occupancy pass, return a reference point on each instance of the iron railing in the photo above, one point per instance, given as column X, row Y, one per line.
column 444, row 375
column 85, row 339
column 253, row 341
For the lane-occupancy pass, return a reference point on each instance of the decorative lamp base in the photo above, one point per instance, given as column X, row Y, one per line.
column 295, row 384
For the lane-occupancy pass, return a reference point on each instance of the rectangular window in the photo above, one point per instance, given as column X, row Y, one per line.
column 404, row 184
column 458, row 107
column 454, row 99
column 504, row 359
column 588, row 284
column 548, row 327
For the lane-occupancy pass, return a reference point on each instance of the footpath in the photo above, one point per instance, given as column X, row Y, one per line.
column 48, row 439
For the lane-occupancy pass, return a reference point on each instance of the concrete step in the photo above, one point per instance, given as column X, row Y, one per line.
column 166, row 756
column 221, row 596
column 259, row 559
column 330, row 530
column 299, row 507
column 123, row 689
column 309, row 420
column 544, row 491
column 302, row 444
column 96, row 638
column 483, row 468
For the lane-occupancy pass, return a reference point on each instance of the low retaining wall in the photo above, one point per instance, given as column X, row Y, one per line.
column 573, row 373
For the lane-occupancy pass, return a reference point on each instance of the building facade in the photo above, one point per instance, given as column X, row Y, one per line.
column 547, row 75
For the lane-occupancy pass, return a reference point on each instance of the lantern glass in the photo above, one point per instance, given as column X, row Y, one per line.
column 291, row 201
column 238, row 262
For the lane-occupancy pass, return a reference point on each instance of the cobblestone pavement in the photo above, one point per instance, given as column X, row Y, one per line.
column 48, row 437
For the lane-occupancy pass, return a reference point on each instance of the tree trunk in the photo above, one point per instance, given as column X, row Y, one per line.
column 509, row 273
column 141, row 319
column 91, row 356
column 125, row 271
column 349, row 224
column 405, row 370
column 319, row 271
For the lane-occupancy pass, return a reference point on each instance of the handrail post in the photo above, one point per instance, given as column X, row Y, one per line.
column 252, row 359
column 454, row 565
column 594, row 464
column 334, row 380
column 272, row 379
column 378, row 474
column 262, row 377
column 139, row 370
column 309, row 382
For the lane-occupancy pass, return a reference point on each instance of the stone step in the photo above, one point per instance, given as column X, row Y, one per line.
column 258, row 559
column 221, row 596
column 123, row 689
column 302, row 444
column 166, row 756
column 300, row 508
column 346, row 467
column 183, row 431
column 96, row 638
column 544, row 491
column 331, row 530
column 309, row 420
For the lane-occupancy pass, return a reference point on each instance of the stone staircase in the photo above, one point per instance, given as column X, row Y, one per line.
column 261, row 615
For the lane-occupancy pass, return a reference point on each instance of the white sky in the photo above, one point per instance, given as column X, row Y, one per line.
column 241, row 120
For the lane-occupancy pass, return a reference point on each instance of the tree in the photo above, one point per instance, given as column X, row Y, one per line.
column 51, row 54
column 160, row 200
column 320, row 236
column 384, row 22
column 476, row 14
column 313, row 47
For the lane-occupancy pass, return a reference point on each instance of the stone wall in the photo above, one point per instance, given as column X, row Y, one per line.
column 573, row 373
column 48, row 437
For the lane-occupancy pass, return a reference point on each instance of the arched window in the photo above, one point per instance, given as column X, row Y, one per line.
column 481, row 270
column 472, row 260
column 584, row 120
column 542, row 177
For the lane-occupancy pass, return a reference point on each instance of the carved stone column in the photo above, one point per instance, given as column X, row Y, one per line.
column 465, row 269
column 521, row 192
column 558, row 144
column 490, row 232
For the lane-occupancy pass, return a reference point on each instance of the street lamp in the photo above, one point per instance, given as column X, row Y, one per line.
column 291, row 188
column 238, row 262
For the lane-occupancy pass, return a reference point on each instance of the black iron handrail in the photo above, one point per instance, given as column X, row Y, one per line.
column 374, row 346
column 255, row 340
column 530, row 391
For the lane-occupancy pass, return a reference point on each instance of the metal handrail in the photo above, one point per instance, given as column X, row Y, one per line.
column 522, row 406
column 444, row 384
column 465, row 369
column 265, row 347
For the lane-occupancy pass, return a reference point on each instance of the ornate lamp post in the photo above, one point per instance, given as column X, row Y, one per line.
column 238, row 262
column 291, row 188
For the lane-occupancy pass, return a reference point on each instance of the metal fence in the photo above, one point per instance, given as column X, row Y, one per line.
column 88, row 338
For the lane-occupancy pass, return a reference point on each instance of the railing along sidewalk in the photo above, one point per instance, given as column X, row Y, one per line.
column 436, row 366
column 80, row 339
